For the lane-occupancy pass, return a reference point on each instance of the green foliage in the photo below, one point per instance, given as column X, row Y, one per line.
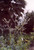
column 16, row 39
column 23, row 42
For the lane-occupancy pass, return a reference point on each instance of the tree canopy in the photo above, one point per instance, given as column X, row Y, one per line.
column 10, row 11
column 30, row 23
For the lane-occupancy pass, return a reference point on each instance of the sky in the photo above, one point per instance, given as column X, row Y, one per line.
column 29, row 5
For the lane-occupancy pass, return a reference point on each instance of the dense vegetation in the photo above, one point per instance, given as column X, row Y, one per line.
column 12, row 35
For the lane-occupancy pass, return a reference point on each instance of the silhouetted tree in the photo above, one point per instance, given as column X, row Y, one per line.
column 30, row 23
column 10, row 11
